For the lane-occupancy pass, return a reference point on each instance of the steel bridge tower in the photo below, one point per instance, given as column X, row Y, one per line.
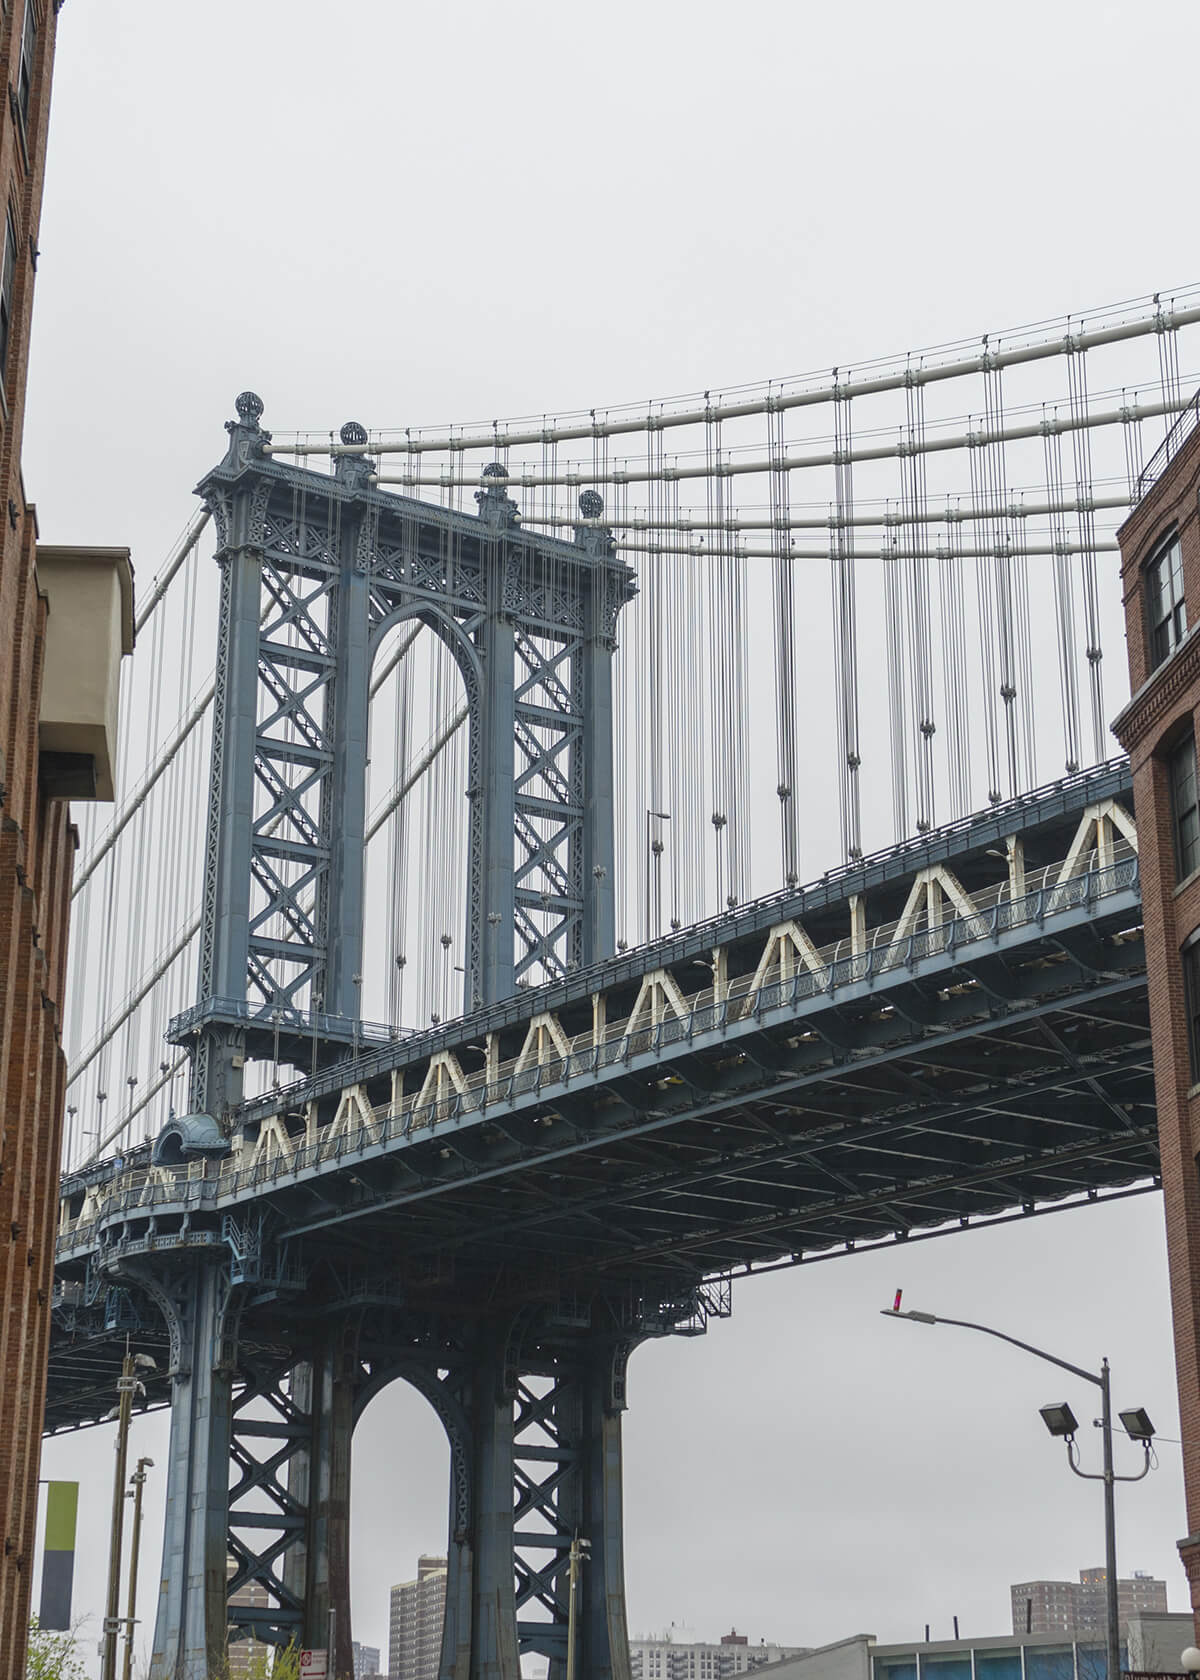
column 274, row 1349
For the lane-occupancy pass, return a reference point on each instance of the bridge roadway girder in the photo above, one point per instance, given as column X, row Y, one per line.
column 500, row 1211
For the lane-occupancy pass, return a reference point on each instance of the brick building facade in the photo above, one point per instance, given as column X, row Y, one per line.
column 1160, row 572
column 44, row 761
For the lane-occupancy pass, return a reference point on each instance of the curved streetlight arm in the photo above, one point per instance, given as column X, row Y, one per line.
column 1014, row 1341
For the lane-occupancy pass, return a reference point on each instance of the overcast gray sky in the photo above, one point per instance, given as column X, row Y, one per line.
column 413, row 214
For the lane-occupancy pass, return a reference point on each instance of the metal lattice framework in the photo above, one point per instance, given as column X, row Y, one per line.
column 314, row 571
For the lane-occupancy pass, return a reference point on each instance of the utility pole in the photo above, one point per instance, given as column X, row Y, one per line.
column 578, row 1555
column 139, row 1481
column 112, row 1620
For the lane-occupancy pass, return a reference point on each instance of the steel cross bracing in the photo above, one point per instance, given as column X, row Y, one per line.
column 314, row 571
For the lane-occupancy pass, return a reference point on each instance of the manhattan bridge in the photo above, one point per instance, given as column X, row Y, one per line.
column 448, row 1001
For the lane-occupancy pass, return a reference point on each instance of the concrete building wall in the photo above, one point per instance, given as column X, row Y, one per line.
column 1157, row 1642
column 845, row 1659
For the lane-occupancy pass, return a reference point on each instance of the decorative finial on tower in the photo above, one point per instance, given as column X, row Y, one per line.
column 595, row 538
column 354, row 469
column 247, row 439
column 495, row 504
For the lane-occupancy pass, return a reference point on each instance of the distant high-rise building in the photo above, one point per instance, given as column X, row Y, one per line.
column 665, row 1658
column 251, row 1596
column 418, row 1609
column 366, row 1660
column 1079, row 1610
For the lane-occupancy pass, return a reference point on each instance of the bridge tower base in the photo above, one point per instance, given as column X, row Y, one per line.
column 531, row 1406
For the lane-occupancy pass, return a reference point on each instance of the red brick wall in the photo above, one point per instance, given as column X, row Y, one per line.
column 1165, row 701
column 36, row 845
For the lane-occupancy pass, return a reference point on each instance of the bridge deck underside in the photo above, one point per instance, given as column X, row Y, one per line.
column 924, row 1107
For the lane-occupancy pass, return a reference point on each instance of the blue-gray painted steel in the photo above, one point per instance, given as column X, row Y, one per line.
column 313, row 571
column 189, row 1628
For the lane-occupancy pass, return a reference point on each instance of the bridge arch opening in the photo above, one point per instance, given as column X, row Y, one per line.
column 400, row 1489
column 415, row 956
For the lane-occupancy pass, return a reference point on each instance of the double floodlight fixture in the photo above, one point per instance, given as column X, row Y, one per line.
column 1061, row 1421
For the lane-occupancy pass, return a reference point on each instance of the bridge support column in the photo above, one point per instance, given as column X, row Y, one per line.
column 567, row 1476
column 319, row 1482
column 224, row 931
column 598, row 932
column 491, row 920
column 189, row 1630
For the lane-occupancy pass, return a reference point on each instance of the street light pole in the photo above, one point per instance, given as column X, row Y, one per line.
column 578, row 1555
column 112, row 1618
column 139, row 1481
column 1112, row 1604
column 1067, row 1431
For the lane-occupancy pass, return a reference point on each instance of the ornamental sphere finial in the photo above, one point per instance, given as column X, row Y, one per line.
column 496, row 470
column 249, row 407
column 352, row 433
column 591, row 504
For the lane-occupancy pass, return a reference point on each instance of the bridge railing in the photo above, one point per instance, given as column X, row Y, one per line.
column 993, row 913
column 1167, row 450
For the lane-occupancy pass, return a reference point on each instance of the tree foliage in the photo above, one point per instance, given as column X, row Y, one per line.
column 53, row 1656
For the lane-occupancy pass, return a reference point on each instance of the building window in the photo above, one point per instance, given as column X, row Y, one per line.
column 1166, row 614
column 25, row 70
column 1191, row 993
column 1185, row 810
column 7, row 273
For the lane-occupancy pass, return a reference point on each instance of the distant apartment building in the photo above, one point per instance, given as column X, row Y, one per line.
column 418, row 1609
column 1078, row 1609
column 666, row 1658
column 366, row 1660
column 240, row 1655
